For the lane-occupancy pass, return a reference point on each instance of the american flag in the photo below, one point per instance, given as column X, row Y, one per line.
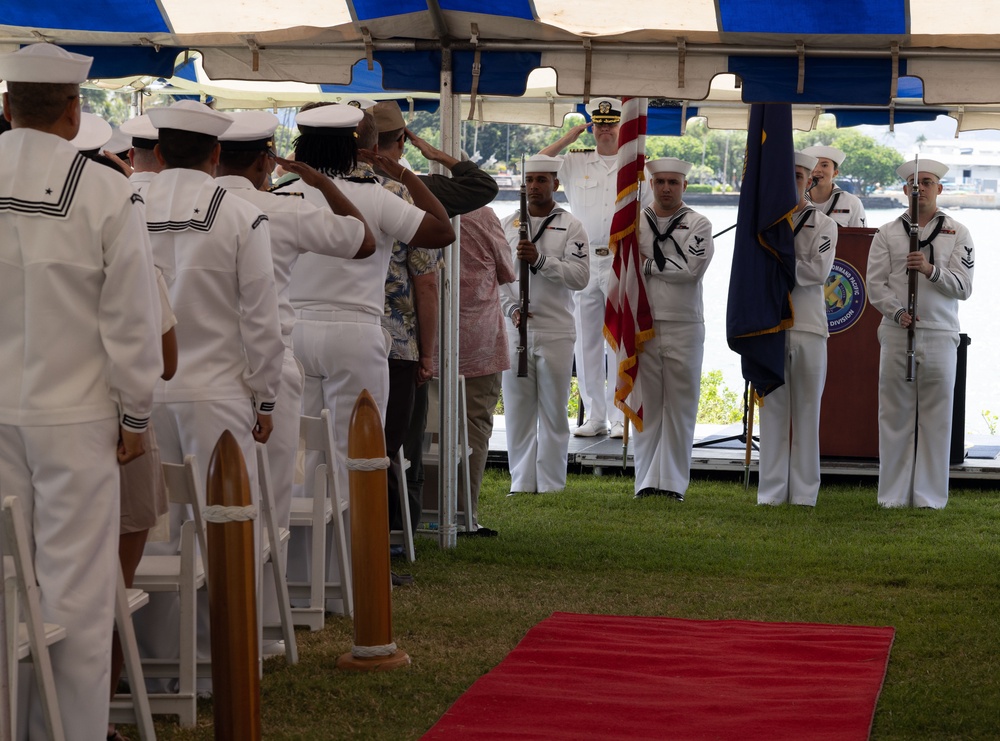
column 628, row 320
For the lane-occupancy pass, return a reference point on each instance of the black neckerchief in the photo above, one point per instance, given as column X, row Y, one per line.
column 836, row 197
column 541, row 230
column 805, row 218
column 929, row 241
column 658, row 257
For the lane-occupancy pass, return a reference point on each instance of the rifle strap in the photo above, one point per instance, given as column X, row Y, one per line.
column 541, row 230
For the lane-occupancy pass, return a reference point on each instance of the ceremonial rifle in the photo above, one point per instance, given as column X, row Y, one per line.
column 522, row 233
column 911, row 290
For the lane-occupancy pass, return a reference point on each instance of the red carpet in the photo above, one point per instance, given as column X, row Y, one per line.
column 604, row 677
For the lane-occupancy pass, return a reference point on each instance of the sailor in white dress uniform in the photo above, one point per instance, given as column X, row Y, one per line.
column 535, row 407
column 297, row 227
column 141, row 156
column 215, row 254
column 79, row 357
column 789, row 415
column 914, row 418
column 843, row 207
column 338, row 335
column 676, row 246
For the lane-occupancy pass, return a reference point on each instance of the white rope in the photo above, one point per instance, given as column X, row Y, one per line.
column 218, row 513
column 367, row 652
column 367, row 464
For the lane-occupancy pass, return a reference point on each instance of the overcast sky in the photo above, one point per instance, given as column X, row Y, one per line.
column 904, row 138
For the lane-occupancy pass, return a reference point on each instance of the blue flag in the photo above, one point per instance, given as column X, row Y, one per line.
column 763, row 274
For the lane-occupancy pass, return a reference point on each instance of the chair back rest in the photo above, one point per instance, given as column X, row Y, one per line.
column 186, row 487
column 15, row 545
column 433, row 427
column 432, row 431
column 16, row 542
column 317, row 433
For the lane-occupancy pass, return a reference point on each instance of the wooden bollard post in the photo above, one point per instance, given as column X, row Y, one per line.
column 374, row 649
column 232, row 595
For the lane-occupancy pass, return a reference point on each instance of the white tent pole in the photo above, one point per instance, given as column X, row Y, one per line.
column 448, row 334
column 6, row 727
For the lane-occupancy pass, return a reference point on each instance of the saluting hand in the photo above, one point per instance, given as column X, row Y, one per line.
column 389, row 166
column 310, row 175
column 578, row 130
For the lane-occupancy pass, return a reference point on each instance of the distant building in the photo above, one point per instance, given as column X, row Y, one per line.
column 974, row 166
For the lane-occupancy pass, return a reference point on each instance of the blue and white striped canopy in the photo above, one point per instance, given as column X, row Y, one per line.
column 867, row 58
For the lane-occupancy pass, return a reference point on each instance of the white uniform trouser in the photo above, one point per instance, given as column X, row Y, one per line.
column 342, row 354
column 282, row 447
column 193, row 428
column 914, row 418
column 670, row 374
column 535, row 412
column 789, row 425
column 66, row 478
column 594, row 359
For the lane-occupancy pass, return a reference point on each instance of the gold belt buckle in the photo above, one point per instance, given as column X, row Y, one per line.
column 602, row 252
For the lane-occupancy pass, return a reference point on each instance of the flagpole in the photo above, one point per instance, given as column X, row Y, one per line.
column 625, row 426
column 625, row 444
column 751, row 397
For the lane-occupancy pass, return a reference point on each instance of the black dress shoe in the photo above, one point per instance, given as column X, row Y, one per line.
column 649, row 491
column 401, row 580
column 486, row 532
column 672, row 494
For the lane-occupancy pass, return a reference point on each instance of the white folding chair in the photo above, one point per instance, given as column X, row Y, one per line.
column 184, row 574
column 430, row 514
column 403, row 537
column 133, row 707
column 322, row 506
column 273, row 550
column 28, row 640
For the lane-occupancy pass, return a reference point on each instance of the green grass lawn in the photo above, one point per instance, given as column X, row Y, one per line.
column 594, row 549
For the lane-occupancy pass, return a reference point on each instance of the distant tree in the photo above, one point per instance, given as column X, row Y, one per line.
column 283, row 140
column 868, row 162
column 112, row 107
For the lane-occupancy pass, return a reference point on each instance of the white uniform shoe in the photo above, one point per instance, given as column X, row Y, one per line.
column 590, row 428
column 617, row 431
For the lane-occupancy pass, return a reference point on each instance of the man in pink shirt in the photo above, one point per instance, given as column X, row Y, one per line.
column 482, row 342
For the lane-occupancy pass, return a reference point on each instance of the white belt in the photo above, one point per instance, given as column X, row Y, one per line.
column 338, row 315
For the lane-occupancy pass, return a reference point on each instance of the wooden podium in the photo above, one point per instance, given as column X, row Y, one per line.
column 849, row 412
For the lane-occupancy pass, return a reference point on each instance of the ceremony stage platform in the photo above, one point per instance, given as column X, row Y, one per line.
column 599, row 455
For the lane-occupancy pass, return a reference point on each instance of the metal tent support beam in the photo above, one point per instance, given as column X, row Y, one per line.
column 448, row 332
